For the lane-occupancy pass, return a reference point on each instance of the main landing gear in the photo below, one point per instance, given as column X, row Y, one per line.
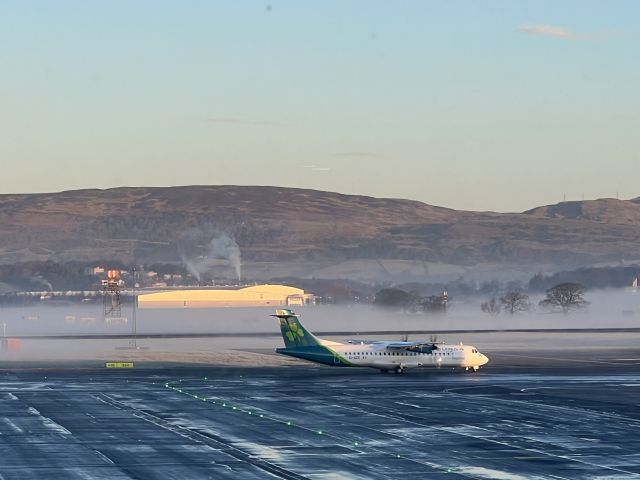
column 473, row 369
column 395, row 370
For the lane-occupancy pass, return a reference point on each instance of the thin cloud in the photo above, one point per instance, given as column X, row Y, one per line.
column 357, row 154
column 315, row 168
column 545, row 30
column 243, row 121
column 548, row 31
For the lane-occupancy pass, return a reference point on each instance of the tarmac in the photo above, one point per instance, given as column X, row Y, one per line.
column 552, row 414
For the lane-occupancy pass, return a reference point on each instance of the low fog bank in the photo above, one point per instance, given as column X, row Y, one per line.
column 607, row 309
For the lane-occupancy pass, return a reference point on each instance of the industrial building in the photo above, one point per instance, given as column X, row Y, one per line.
column 254, row 296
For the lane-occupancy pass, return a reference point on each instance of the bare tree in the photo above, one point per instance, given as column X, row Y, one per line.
column 564, row 297
column 435, row 303
column 492, row 307
column 516, row 302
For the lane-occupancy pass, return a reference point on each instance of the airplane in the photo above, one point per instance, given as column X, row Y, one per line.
column 385, row 355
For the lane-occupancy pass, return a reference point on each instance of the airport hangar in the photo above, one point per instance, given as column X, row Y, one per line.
column 253, row 296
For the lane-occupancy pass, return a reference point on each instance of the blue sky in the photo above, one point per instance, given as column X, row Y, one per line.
column 493, row 105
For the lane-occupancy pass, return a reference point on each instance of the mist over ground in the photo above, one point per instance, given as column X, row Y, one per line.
column 607, row 309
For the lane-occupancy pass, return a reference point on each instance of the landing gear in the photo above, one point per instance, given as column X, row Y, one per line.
column 473, row 369
column 399, row 370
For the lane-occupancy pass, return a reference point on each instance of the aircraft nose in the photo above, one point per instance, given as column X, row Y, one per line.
column 484, row 358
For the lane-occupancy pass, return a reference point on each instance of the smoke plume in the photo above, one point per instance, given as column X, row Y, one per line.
column 42, row 281
column 198, row 249
column 226, row 248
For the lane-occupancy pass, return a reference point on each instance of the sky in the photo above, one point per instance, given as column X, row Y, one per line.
column 493, row 105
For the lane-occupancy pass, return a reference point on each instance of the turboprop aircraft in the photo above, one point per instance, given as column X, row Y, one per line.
column 387, row 356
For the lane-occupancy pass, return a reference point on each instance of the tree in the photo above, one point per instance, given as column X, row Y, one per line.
column 564, row 297
column 515, row 302
column 393, row 297
column 492, row 307
column 435, row 303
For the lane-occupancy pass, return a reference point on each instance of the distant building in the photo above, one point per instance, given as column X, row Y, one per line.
column 255, row 296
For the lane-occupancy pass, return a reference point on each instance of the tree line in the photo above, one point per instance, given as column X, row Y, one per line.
column 565, row 298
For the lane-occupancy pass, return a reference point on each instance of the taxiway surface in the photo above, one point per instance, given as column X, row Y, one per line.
column 527, row 415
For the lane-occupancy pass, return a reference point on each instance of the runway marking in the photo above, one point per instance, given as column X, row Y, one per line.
column 104, row 457
column 13, row 426
column 48, row 423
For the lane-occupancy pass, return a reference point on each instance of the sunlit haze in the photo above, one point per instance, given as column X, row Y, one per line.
column 472, row 105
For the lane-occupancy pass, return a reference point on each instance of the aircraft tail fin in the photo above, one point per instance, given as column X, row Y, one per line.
column 293, row 332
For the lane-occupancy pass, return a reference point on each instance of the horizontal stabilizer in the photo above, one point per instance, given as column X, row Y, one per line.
column 284, row 313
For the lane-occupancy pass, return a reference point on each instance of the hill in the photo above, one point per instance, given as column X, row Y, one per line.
column 285, row 232
column 604, row 210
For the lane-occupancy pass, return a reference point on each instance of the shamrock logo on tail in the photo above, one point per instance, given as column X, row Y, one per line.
column 294, row 332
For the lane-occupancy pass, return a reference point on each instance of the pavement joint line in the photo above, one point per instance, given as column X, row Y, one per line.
column 554, row 407
column 558, row 359
column 208, row 439
column 356, row 443
column 486, row 439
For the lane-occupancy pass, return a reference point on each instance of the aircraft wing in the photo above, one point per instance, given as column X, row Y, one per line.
column 412, row 345
column 396, row 345
column 402, row 345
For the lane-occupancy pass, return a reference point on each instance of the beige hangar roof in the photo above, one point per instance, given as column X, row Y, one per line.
column 249, row 296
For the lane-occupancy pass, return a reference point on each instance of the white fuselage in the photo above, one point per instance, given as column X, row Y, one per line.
column 377, row 355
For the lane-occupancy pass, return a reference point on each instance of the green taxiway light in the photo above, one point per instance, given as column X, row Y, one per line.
column 249, row 412
column 355, row 444
column 319, row 432
column 205, row 378
column 224, row 404
column 235, row 408
column 289, row 423
column 398, row 455
column 261, row 416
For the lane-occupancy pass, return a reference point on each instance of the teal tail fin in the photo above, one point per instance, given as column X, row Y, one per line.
column 293, row 333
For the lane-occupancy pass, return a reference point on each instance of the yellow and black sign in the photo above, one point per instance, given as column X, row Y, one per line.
column 118, row 365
